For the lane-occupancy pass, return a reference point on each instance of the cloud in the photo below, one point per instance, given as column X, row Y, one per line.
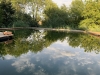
column 59, row 55
column 24, row 62
column 39, row 72
column 58, row 52
column 9, row 57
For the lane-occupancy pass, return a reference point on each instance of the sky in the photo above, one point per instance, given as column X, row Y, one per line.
column 60, row 2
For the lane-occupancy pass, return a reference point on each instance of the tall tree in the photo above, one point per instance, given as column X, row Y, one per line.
column 54, row 16
column 34, row 7
column 76, row 9
column 91, row 15
column 37, row 7
column 7, row 13
column 1, row 17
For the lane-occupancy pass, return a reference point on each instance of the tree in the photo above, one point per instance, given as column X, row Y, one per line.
column 1, row 17
column 76, row 9
column 91, row 16
column 65, row 14
column 54, row 16
column 7, row 13
column 25, row 20
column 35, row 8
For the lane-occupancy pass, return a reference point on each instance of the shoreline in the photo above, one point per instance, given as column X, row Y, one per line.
column 54, row 29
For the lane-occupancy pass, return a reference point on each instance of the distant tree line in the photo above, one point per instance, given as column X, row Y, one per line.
column 79, row 15
column 27, row 13
column 13, row 14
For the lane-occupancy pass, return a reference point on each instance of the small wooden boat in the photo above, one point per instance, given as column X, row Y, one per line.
column 4, row 36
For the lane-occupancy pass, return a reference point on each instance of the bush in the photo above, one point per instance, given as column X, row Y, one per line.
column 20, row 24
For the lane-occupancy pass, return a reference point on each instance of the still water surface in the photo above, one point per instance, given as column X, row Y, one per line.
column 38, row 52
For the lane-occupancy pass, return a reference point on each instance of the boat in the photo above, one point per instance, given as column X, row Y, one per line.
column 4, row 36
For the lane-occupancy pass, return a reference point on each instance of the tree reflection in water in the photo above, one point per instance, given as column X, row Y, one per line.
column 36, row 40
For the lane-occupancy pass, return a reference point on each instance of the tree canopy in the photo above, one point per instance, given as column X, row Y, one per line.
column 91, row 15
column 81, row 14
column 7, row 12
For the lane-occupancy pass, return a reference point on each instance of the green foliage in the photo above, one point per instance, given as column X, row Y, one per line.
column 63, row 17
column 11, row 17
column 76, row 9
column 35, row 7
column 80, row 15
column 1, row 17
column 7, row 13
column 20, row 24
column 91, row 16
column 54, row 16
column 25, row 20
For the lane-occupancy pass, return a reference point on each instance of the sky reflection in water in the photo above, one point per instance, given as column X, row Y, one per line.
column 57, row 59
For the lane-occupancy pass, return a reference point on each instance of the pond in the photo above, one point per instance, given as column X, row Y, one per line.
column 39, row 52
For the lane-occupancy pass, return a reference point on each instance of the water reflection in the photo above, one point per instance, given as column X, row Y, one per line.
column 50, row 53
column 25, row 40
column 88, row 42
column 59, row 60
column 33, row 40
